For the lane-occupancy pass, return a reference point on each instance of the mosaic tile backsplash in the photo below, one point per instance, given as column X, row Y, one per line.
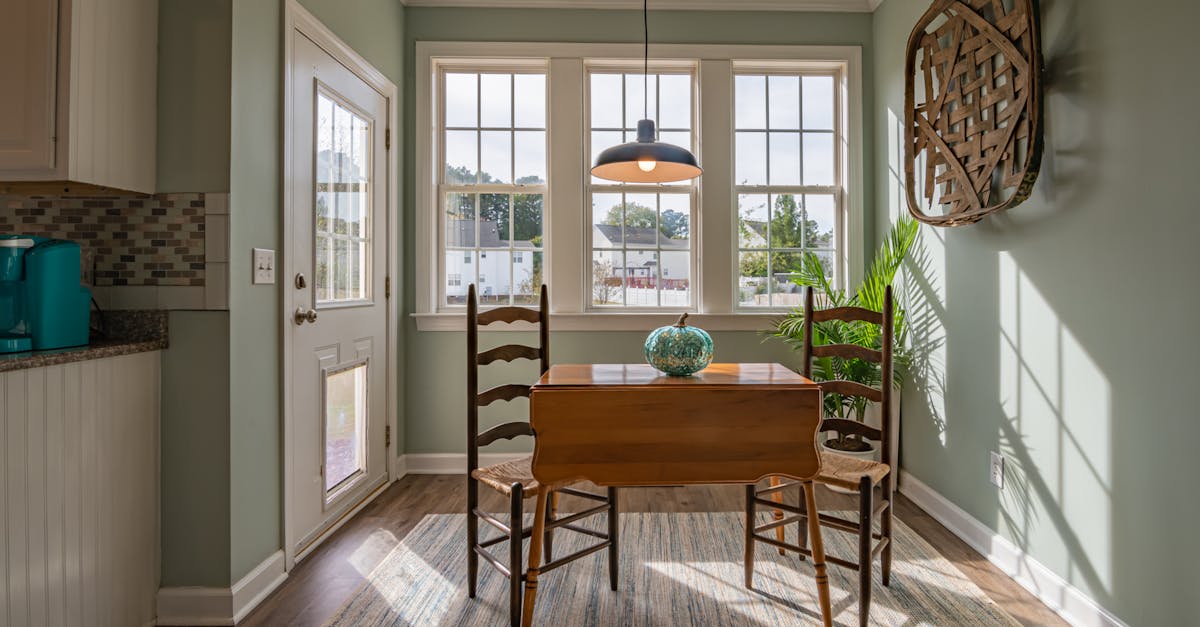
column 136, row 240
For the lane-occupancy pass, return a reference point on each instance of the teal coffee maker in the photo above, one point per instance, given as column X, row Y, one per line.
column 43, row 305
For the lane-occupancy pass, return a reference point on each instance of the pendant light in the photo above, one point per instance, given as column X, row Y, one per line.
column 646, row 160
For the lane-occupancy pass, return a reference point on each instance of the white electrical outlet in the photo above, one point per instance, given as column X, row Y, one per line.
column 996, row 470
column 264, row 266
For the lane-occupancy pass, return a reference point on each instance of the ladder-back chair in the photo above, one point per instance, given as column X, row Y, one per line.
column 514, row 479
column 846, row 472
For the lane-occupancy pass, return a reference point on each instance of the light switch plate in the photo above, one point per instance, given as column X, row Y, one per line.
column 264, row 266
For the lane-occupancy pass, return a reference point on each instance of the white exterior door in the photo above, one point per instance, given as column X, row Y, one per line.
column 338, row 308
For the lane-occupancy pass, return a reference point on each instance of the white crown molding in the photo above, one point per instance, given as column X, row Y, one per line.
column 829, row 6
column 1069, row 602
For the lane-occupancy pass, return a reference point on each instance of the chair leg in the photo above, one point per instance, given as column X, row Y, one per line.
column 472, row 536
column 516, row 523
column 802, row 526
column 748, row 557
column 865, row 563
column 614, row 529
column 535, row 556
column 551, row 514
column 777, row 496
column 885, row 530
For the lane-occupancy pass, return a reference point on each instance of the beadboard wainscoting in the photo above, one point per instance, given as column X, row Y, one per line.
column 79, row 496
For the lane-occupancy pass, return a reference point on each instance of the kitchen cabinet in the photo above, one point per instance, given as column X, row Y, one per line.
column 79, row 492
column 79, row 85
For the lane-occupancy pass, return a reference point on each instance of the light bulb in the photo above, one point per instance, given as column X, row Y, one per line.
column 647, row 165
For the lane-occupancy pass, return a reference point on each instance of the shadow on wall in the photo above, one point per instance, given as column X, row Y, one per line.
column 1018, row 348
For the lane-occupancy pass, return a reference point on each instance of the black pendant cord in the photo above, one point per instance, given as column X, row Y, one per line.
column 646, row 59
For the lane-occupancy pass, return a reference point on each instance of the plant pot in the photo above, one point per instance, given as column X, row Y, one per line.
column 872, row 454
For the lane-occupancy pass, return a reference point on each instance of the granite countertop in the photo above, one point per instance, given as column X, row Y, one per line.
column 124, row 333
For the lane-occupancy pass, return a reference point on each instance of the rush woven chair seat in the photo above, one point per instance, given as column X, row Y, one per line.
column 844, row 471
column 503, row 476
column 514, row 479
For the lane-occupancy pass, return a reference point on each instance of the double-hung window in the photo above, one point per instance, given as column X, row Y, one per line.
column 492, row 183
column 786, row 177
column 641, row 245
column 506, row 135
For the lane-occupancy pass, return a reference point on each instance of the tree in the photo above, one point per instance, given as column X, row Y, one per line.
column 675, row 224
column 791, row 228
column 526, row 214
column 606, row 285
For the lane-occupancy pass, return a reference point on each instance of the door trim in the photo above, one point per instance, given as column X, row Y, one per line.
column 297, row 19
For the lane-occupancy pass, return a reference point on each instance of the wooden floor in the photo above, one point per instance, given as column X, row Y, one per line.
column 320, row 584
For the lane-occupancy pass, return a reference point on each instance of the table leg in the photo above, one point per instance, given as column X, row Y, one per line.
column 535, row 558
column 818, row 554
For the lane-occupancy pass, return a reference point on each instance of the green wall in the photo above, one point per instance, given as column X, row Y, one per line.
column 193, row 95
column 436, row 360
column 1059, row 333
column 254, row 320
column 375, row 29
column 195, row 450
column 193, row 156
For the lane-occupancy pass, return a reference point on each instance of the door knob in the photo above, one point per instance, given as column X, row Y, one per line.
column 302, row 315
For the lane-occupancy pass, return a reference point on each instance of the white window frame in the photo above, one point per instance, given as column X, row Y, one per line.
column 691, row 189
column 444, row 188
column 714, row 246
column 841, row 243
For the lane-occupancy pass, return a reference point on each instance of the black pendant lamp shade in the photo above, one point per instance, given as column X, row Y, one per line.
column 646, row 160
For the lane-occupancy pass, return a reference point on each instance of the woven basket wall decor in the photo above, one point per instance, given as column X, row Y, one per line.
column 972, row 109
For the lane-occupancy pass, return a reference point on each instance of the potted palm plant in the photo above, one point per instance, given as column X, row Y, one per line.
column 870, row 294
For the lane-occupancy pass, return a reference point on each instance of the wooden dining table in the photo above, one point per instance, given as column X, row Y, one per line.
column 623, row 425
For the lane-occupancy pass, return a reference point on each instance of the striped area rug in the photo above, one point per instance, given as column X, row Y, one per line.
column 676, row 569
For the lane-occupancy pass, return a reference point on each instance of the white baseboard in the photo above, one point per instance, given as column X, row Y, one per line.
column 1066, row 600
column 450, row 463
column 221, row 606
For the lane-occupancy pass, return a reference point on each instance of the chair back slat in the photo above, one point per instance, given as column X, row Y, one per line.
column 850, row 388
column 848, row 314
column 510, row 315
column 506, row 353
column 848, row 351
column 851, row 427
column 506, row 431
column 502, row 393
column 882, row 395
column 886, row 434
column 509, row 352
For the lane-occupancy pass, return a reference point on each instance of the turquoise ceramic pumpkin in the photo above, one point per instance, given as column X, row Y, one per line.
column 679, row 350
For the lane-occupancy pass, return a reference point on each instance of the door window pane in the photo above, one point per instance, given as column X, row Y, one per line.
column 342, row 203
column 345, row 425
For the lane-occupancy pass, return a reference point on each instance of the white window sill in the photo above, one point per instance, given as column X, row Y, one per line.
column 609, row 321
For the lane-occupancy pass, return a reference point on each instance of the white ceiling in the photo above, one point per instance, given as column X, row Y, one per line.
column 851, row 6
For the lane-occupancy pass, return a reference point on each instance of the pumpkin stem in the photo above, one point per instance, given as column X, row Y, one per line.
column 682, row 321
